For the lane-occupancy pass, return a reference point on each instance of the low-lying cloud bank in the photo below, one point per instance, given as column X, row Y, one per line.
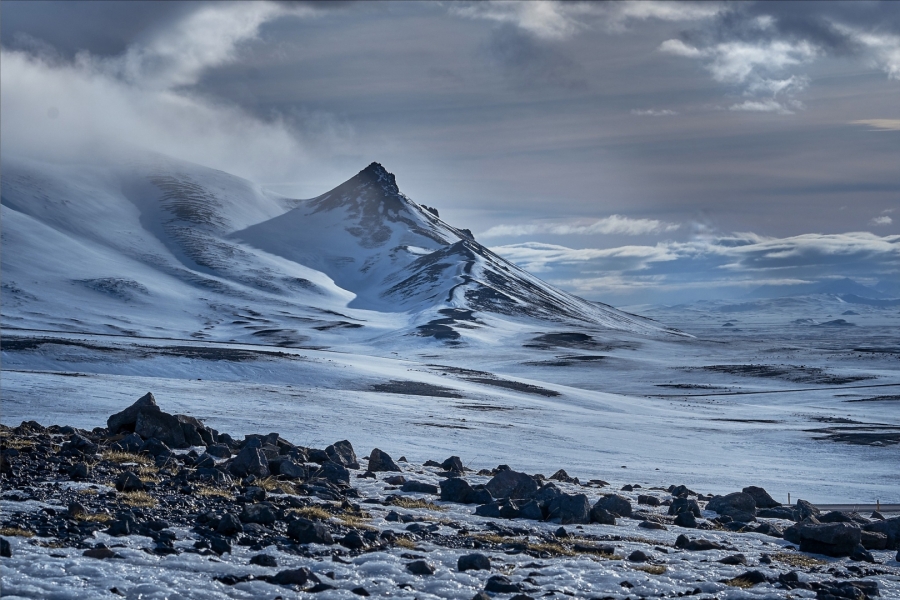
column 731, row 264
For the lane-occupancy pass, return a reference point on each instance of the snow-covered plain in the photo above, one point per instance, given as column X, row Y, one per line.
column 171, row 278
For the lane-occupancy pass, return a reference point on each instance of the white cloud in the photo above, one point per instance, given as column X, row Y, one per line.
column 880, row 124
column 652, row 112
column 883, row 220
column 735, row 260
column 613, row 224
column 884, row 48
column 552, row 20
column 679, row 48
column 141, row 98
column 772, row 106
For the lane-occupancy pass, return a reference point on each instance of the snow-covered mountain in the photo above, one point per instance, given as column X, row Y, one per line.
column 156, row 246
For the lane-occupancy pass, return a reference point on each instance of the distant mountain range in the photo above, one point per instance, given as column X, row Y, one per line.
column 156, row 246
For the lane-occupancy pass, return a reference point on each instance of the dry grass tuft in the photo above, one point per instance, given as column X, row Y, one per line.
column 404, row 502
column 86, row 491
column 97, row 518
column 652, row 569
column 128, row 457
column 405, row 543
column 16, row 531
column 491, row 538
column 740, row 582
column 554, row 549
column 312, row 512
column 356, row 521
column 138, row 499
column 17, row 443
column 208, row 490
column 797, row 560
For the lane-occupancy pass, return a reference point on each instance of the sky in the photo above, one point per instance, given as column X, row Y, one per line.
column 630, row 152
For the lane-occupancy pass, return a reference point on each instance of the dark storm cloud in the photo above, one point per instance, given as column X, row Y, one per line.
column 101, row 27
column 528, row 61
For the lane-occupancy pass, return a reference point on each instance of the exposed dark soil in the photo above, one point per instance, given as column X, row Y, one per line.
column 893, row 398
column 797, row 374
column 415, row 388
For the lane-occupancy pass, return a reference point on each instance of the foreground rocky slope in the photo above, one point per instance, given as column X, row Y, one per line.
column 154, row 504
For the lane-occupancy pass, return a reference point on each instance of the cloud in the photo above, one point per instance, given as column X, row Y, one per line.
column 551, row 20
column 614, row 224
column 880, row 124
column 738, row 260
column 59, row 108
column 652, row 112
column 883, row 220
column 882, row 48
column 762, row 106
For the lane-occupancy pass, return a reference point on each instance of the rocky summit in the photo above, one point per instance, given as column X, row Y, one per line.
column 272, row 518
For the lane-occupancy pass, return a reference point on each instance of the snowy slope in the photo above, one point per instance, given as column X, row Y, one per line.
column 156, row 246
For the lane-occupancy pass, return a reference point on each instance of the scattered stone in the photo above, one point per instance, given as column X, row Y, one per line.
column 686, row 519
column 648, row 500
column 602, row 516
column 453, row 465
column 129, row 482
column 261, row 513
column 419, row 487
column 684, row 504
column 305, row 531
column 101, row 553
column 162, row 426
column 569, row 509
column 299, row 576
column 615, row 504
column 229, row 525
column 380, row 461
column 420, row 567
column 264, row 560
column 126, row 420
column 250, row 461
column 831, row 539
column 761, row 497
column 473, row 562
column 342, row 453
column 6, row 549
column 696, row 545
column 652, row 525
column 734, row 559
column 501, row 584
column 638, row 556
column 511, row 484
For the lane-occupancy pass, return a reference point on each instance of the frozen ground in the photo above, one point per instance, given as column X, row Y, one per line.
column 794, row 408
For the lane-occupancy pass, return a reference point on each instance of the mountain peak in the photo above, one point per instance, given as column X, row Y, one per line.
column 376, row 173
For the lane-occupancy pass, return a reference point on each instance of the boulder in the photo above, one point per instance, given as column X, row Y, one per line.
column 648, row 500
column 684, row 504
column 335, row 473
column 531, row 510
column 129, row 482
column 831, row 539
column 761, row 497
column 229, row 525
column 779, row 512
column 420, row 567
column 381, row 461
column 6, row 549
column 353, row 540
column 130, row 443
column 686, row 519
column 473, row 562
column 342, row 453
column 305, row 531
column 453, row 465
column 219, row 450
column 602, row 516
column 570, row 508
column 264, row 560
column 292, row 470
column 738, row 503
column 511, row 484
column 419, row 487
column 154, row 448
column 501, row 584
column 125, row 420
column 696, row 545
column 890, row 528
column 615, row 504
column 300, row 577
column 162, row 426
column 499, row 509
column 457, row 490
column 249, row 461
column 191, row 428
column 804, row 510
column 638, row 556
column 260, row 513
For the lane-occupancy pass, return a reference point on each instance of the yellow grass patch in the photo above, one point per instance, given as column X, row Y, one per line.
column 652, row 569
column 127, row 457
column 404, row 502
column 97, row 518
column 355, row 521
column 138, row 499
column 86, row 491
column 17, row 442
column 208, row 490
column 797, row 560
column 312, row 512
column 405, row 543
column 554, row 549
column 16, row 531
column 740, row 582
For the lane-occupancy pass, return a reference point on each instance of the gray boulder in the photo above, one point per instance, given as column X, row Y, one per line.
column 804, row 510
column 249, row 461
column 569, row 509
column 291, row 470
column 260, row 513
column 381, row 461
column 162, row 426
column 511, row 484
column 419, row 487
column 761, row 497
column 602, row 516
column 129, row 482
column 305, row 531
column 890, row 528
column 125, row 420
column 737, row 502
column 831, row 539
column 130, row 443
column 473, row 562
column 342, row 453
column 615, row 504
column 684, row 504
